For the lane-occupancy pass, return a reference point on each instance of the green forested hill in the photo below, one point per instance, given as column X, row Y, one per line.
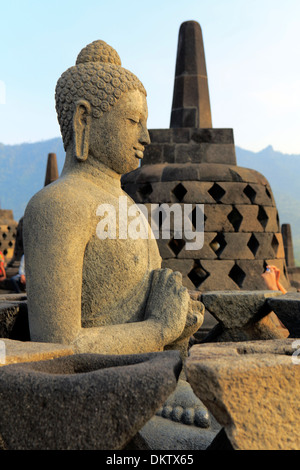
column 23, row 170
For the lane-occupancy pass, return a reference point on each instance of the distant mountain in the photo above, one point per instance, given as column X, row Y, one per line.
column 23, row 169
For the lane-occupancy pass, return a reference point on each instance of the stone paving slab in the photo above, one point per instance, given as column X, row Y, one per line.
column 12, row 351
column 252, row 389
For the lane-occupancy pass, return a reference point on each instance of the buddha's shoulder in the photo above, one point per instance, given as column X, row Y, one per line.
column 61, row 197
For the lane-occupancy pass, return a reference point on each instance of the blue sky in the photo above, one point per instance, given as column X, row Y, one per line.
column 252, row 55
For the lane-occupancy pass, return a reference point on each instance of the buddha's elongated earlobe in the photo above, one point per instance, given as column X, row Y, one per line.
column 81, row 129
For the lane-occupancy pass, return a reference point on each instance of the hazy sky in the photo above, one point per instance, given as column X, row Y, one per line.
column 252, row 56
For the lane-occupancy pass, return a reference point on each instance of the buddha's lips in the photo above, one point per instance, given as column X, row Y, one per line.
column 139, row 153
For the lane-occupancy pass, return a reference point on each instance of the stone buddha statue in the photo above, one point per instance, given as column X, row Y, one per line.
column 102, row 294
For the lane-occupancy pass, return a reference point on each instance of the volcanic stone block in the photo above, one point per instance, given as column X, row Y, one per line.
column 51, row 170
column 237, row 308
column 248, row 176
column 287, row 308
column 184, row 266
column 181, row 135
column 262, row 196
column 29, row 351
column 205, row 153
column 218, row 277
column 251, row 389
column 194, row 172
column 206, row 252
column 270, row 222
column 153, row 154
column 114, row 396
column 216, row 218
column 234, row 193
column 161, row 136
column 261, row 245
column 212, row 136
column 235, row 246
column 197, row 192
column 191, row 104
column 278, row 246
column 254, row 269
column 286, row 231
column 249, row 215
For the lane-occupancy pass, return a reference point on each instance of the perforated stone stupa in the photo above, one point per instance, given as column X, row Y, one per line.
column 193, row 163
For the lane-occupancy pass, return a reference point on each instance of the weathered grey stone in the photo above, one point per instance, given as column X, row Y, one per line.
column 287, row 308
column 115, row 285
column 237, row 309
column 163, row 434
column 218, row 275
column 83, row 402
column 286, row 231
column 251, row 388
column 15, row 351
column 51, row 170
column 193, row 413
column 212, row 136
column 191, row 104
column 235, row 246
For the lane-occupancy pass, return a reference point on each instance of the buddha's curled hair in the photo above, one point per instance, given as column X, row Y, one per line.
column 97, row 77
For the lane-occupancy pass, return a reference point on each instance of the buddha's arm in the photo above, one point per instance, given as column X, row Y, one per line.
column 166, row 317
column 55, row 242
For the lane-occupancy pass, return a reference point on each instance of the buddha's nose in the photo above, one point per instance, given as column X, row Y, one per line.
column 144, row 137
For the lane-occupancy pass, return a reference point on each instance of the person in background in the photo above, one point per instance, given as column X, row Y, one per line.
column 19, row 280
column 271, row 276
column 2, row 267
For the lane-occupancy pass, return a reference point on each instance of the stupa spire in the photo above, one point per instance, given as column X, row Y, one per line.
column 191, row 103
column 52, row 170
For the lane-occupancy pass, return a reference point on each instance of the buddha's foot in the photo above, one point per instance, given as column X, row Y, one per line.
column 184, row 407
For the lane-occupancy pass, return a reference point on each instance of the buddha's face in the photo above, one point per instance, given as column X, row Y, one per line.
column 118, row 138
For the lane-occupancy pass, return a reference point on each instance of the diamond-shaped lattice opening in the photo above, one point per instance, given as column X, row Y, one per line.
column 179, row 191
column 195, row 215
column 4, row 235
column 275, row 244
column 218, row 244
column 145, row 190
column 268, row 193
column 235, row 218
column 198, row 275
column 217, row 192
column 237, row 275
column 176, row 245
column 262, row 217
column 253, row 244
column 250, row 193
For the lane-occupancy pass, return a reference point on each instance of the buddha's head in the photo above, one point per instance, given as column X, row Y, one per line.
column 102, row 109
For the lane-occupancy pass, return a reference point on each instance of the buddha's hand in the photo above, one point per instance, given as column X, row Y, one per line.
column 168, row 303
column 195, row 316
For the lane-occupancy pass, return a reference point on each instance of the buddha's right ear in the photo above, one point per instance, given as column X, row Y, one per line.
column 81, row 129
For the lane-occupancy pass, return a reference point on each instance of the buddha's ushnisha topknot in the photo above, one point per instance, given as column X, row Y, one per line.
column 98, row 51
column 97, row 77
